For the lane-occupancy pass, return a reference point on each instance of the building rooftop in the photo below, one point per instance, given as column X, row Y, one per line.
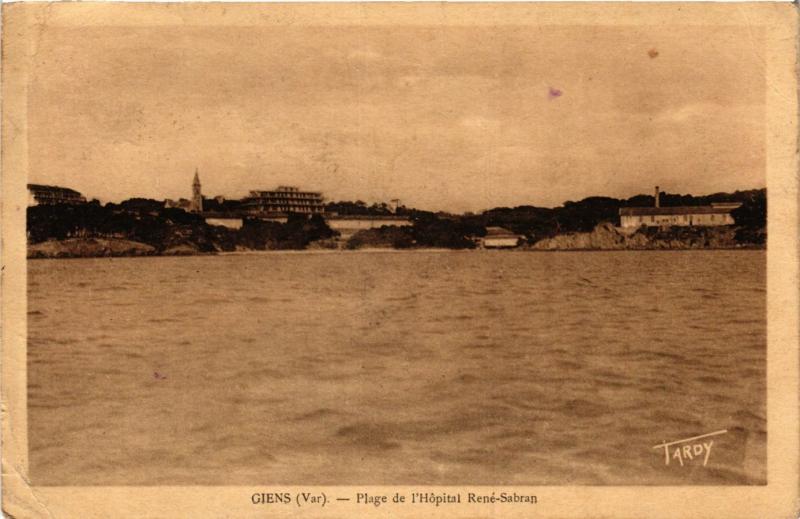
column 495, row 232
column 723, row 208
column 42, row 187
column 282, row 190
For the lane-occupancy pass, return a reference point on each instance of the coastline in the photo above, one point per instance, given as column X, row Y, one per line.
column 141, row 227
column 109, row 248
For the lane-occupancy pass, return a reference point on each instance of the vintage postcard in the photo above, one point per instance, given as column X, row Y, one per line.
column 400, row 260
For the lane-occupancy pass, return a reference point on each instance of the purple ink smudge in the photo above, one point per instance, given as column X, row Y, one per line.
column 554, row 92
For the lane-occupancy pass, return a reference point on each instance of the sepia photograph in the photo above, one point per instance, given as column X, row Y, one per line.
column 396, row 246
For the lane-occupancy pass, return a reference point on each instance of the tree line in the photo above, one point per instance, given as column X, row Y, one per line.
column 149, row 221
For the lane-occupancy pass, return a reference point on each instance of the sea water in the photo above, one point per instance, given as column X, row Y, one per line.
column 397, row 368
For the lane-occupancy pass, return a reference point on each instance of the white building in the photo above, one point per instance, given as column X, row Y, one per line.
column 53, row 195
column 682, row 216
column 223, row 221
column 284, row 199
column 500, row 238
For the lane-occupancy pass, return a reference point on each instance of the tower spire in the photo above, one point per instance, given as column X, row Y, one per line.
column 197, row 194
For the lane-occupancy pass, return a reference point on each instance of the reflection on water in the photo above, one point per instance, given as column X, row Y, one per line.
column 396, row 368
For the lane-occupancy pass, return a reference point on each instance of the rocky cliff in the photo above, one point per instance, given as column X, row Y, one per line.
column 88, row 248
column 608, row 237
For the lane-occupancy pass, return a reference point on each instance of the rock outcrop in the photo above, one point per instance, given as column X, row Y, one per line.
column 89, row 248
column 608, row 237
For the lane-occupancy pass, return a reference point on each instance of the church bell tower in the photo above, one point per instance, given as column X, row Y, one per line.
column 197, row 195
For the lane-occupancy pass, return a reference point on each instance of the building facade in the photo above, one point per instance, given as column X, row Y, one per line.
column 681, row 216
column 229, row 222
column 500, row 238
column 39, row 194
column 284, row 199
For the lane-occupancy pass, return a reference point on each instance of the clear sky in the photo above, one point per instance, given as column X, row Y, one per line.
column 450, row 118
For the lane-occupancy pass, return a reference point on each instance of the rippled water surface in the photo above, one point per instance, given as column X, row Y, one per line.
column 396, row 368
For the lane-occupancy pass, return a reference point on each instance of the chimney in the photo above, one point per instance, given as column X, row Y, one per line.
column 657, row 197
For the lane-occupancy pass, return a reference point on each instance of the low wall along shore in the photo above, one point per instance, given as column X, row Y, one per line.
column 348, row 226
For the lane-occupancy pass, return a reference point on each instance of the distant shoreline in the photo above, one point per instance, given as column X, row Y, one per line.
column 79, row 249
column 400, row 251
column 140, row 227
